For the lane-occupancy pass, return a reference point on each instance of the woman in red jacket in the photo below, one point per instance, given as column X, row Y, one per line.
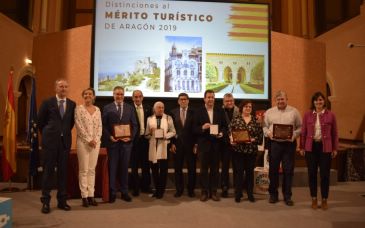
column 319, row 142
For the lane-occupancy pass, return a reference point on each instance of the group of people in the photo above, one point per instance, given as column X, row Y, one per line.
column 151, row 136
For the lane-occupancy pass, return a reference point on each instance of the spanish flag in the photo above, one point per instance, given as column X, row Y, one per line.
column 9, row 135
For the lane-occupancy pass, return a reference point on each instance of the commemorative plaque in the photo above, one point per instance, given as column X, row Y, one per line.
column 283, row 131
column 122, row 131
column 213, row 129
column 159, row 133
column 240, row 136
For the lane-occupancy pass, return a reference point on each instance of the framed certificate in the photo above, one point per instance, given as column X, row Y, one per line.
column 159, row 133
column 283, row 131
column 213, row 129
column 122, row 131
column 240, row 136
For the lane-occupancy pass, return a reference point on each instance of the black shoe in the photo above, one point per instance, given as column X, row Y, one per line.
column 147, row 190
column 215, row 197
column 204, row 196
column 251, row 198
column 178, row 194
column 135, row 193
column 224, row 194
column 85, row 203
column 237, row 198
column 159, row 195
column 64, row 206
column 126, row 197
column 92, row 201
column 289, row 202
column 112, row 198
column 45, row 208
column 191, row 194
column 273, row 199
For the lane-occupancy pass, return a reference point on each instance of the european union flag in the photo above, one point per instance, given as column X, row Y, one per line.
column 33, row 133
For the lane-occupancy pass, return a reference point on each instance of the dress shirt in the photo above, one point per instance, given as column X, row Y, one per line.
column 64, row 103
column 121, row 111
column 317, row 127
column 183, row 115
column 289, row 115
column 210, row 114
column 140, row 115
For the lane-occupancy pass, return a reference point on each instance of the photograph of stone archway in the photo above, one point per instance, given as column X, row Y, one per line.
column 235, row 73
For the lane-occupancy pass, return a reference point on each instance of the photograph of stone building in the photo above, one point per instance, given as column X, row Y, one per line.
column 183, row 64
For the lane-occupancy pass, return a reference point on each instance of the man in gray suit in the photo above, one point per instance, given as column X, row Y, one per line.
column 119, row 149
column 55, row 121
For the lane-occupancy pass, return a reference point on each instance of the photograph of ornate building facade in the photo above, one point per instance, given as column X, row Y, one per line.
column 183, row 69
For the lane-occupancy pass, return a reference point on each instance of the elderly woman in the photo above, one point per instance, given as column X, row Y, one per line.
column 319, row 143
column 159, row 130
column 244, row 153
column 89, row 130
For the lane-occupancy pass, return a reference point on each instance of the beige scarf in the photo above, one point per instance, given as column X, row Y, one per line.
column 158, row 147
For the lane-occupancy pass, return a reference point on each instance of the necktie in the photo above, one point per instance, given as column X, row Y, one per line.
column 183, row 116
column 61, row 108
column 139, row 112
column 119, row 111
column 140, row 119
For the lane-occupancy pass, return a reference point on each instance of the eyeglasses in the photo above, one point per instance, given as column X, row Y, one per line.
column 247, row 106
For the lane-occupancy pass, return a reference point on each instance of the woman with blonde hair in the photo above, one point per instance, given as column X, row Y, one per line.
column 89, row 129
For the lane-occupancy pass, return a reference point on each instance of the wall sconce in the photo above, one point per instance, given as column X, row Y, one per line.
column 28, row 61
column 352, row 45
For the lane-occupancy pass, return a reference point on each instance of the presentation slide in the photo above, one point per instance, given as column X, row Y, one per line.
column 164, row 48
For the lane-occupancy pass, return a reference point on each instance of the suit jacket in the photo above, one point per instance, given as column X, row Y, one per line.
column 52, row 126
column 110, row 118
column 184, row 134
column 236, row 112
column 204, row 139
column 147, row 111
column 327, row 120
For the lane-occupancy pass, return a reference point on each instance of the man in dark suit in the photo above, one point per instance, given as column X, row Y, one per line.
column 183, row 145
column 139, row 156
column 119, row 149
column 210, row 128
column 55, row 121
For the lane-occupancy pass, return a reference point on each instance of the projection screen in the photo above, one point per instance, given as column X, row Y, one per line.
column 166, row 47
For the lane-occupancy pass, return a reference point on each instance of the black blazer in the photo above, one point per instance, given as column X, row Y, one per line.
column 110, row 118
column 184, row 134
column 52, row 126
column 204, row 139
column 147, row 111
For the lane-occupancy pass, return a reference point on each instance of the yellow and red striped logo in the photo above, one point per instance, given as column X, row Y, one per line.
column 249, row 22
